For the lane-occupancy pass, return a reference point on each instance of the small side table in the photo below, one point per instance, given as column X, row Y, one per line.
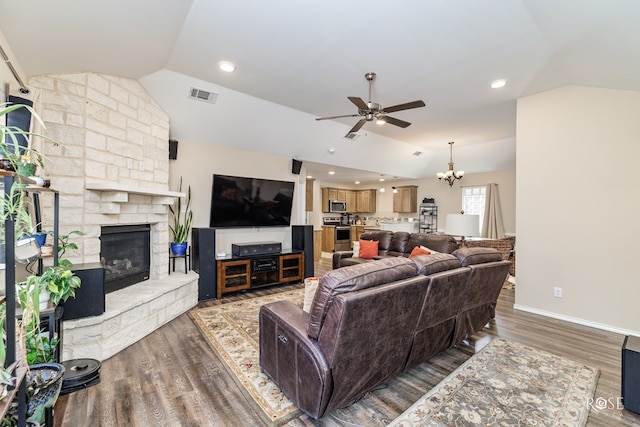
column 187, row 260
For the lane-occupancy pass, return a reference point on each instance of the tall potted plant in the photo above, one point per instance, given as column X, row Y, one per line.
column 181, row 227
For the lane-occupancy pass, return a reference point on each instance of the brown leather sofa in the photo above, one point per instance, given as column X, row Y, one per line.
column 394, row 244
column 371, row 321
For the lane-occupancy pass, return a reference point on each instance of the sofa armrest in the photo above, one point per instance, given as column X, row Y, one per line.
column 339, row 256
column 293, row 360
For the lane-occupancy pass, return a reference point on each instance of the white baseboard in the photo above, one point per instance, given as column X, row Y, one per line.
column 576, row 320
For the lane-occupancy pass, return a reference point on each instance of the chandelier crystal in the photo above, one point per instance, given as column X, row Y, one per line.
column 450, row 176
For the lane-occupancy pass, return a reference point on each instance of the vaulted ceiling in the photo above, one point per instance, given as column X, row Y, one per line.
column 298, row 60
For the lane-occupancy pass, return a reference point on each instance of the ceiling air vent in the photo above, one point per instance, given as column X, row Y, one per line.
column 352, row 136
column 203, row 95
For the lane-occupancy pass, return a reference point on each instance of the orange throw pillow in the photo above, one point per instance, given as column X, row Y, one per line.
column 368, row 249
column 418, row 251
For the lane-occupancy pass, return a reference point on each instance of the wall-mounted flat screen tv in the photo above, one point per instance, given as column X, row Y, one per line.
column 250, row 202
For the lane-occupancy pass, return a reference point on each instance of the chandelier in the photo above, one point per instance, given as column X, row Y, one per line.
column 450, row 176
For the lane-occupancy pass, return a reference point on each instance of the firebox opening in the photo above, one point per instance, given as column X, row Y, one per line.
column 125, row 254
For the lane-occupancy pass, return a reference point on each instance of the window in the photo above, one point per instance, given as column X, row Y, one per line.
column 473, row 201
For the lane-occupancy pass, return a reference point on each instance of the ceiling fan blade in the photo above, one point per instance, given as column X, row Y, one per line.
column 358, row 125
column 407, row 106
column 358, row 102
column 338, row 117
column 396, row 122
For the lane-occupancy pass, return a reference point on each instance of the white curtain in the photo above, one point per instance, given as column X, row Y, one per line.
column 492, row 226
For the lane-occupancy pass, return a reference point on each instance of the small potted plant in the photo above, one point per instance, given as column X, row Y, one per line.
column 181, row 223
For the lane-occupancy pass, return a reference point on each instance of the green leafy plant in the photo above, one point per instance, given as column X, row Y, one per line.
column 181, row 220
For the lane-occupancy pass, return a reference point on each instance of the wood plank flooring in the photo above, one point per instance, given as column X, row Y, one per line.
column 173, row 378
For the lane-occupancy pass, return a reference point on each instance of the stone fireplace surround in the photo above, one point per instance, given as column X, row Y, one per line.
column 113, row 169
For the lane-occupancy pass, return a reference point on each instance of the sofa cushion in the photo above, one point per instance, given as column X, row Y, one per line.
column 398, row 244
column 419, row 251
column 353, row 278
column 438, row 242
column 471, row 256
column 382, row 236
column 435, row 263
column 368, row 249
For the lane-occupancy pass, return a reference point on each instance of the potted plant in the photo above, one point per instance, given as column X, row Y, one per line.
column 181, row 223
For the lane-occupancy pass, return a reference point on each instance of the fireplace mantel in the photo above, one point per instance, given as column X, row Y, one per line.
column 113, row 195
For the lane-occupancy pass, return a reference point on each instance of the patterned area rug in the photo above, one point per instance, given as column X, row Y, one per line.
column 232, row 331
column 508, row 384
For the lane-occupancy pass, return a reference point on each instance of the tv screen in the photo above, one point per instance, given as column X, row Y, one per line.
column 250, row 202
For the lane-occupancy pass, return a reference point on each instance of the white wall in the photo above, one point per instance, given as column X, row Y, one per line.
column 197, row 162
column 577, row 208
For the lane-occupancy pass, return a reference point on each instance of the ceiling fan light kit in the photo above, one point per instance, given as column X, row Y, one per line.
column 450, row 175
column 369, row 111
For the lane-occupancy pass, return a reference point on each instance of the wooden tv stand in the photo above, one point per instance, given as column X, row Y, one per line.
column 239, row 273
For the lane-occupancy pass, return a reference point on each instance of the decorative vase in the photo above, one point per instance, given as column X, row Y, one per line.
column 179, row 249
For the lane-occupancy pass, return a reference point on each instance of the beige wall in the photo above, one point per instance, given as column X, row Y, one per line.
column 197, row 162
column 577, row 152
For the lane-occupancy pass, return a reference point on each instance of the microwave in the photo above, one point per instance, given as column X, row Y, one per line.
column 338, row 206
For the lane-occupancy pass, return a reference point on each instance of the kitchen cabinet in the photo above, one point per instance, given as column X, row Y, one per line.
column 366, row 201
column 356, row 232
column 351, row 201
column 308, row 201
column 328, row 238
column 406, row 199
column 341, row 195
column 331, row 194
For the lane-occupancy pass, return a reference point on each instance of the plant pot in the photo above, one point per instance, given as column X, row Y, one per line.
column 46, row 378
column 41, row 238
column 27, row 250
column 43, row 299
column 179, row 249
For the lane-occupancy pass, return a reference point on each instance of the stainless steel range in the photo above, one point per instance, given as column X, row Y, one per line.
column 342, row 233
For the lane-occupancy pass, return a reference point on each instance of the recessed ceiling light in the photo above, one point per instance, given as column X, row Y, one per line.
column 226, row 66
column 332, row 172
column 497, row 84
column 309, row 176
column 357, row 182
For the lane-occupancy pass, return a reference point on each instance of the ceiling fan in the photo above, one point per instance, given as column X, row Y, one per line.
column 372, row 110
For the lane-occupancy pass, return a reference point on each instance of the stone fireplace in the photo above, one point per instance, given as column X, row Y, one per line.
column 112, row 170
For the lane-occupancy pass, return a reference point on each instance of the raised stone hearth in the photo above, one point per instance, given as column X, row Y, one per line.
column 131, row 314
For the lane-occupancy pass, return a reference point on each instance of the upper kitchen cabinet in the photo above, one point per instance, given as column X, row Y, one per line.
column 308, row 203
column 366, row 201
column 351, row 201
column 406, row 199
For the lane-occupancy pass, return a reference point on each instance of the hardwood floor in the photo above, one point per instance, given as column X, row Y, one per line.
column 173, row 378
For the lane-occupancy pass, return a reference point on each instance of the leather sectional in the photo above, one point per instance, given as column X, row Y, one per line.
column 371, row 321
column 393, row 244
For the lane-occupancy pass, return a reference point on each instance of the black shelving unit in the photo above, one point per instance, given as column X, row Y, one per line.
column 52, row 314
column 428, row 218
